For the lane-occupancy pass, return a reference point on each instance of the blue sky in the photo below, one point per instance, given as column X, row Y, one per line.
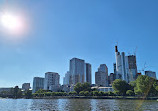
column 87, row 29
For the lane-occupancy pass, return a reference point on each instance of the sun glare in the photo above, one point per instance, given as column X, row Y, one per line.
column 12, row 23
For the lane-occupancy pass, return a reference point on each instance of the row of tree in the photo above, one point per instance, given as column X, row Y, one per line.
column 142, row 86
column 15, row 93
column 74, row 93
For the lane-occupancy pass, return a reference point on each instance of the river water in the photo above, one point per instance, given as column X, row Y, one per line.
column 77, row 105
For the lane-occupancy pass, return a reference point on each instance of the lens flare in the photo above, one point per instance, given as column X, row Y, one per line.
column 12, row 23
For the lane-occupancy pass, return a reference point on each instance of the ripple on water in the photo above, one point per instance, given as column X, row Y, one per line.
column 76, row 105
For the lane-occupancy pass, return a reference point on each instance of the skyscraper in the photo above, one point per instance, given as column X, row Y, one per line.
column 77, row 71
column 88, row 73
column 111, row 78
column 38, row 83
column 132, row 66
column 114, row 66
column 101, row 76
column 125, row 66
column 66, row 80
column 51, row 81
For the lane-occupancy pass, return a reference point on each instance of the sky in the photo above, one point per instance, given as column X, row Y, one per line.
column 58, row 30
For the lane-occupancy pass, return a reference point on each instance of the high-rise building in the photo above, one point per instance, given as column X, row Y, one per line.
column 126, row 67
column 38, row 83
column 88, row 73
column 66, row 80
column 114, row 66
column 132, row 68
column 151, row 74
column 26, row 86
column 111, row 78
column 101, row 76
column 77, row 71
column 51, row 81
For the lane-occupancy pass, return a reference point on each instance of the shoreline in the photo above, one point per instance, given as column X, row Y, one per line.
column 97, row 97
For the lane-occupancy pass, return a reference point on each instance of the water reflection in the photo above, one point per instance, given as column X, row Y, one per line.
column 76, row 105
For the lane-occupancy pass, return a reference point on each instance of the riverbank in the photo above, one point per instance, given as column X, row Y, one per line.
column 97, row 97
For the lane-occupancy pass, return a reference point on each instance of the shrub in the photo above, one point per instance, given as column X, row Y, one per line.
column 110, row 93
column 73, row 93
column 47, row 93
column 101, row 93
column 129, row 93
column 95, row 93
column 81, row 93
column 86, row 93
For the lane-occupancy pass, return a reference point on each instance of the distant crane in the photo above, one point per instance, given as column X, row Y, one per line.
column 143, row 69
column 135, row 50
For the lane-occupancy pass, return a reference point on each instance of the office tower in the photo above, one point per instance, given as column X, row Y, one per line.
column 150, row 74
column 111, row 78
column 77, row 71
column 126, row 68
column 101, row 76
column 132, row 68
column 121, row 65
column 26, row 86
column 114, row 66
column 88, row 73
column 66, row 79
column 51, row 81
column 38, row 83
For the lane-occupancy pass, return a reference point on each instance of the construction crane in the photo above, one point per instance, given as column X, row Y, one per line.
column 143, row 69
column 135, row 50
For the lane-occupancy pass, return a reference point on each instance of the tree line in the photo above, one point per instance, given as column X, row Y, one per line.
column 16, row 93
column 143, row 86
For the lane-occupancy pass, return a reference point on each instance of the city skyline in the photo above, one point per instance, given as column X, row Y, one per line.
column 86, row 31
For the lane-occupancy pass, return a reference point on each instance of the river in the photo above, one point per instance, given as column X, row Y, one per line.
column 77, row 105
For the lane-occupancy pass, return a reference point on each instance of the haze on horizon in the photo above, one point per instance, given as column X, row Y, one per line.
column 56, row 31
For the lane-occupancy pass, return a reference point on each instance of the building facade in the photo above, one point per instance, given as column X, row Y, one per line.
column 77, row 71
column 132, row 68
column 114, row 66
column 38, row 83
column 66, row 80
column 101, row 76
column 111, row 78
column 88, row 73
column 26, row 86
column 151, row 74
column 51, row 81
column 104, row 89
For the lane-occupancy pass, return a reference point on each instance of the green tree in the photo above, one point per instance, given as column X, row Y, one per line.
column 86, row 87
column 130, row 93
column 110, row 93
column 47, row 93
column 145, row 86
column 101, row 93
column 73, row 93
column 81, row 93
column 86, row 93
column 95, row 93
column 78, row 88
column 82, row 87
column 28, row 94
column 120, row 86
column 17, row 92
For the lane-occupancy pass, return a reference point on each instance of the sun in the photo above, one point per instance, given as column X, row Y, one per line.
column 11, row 22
